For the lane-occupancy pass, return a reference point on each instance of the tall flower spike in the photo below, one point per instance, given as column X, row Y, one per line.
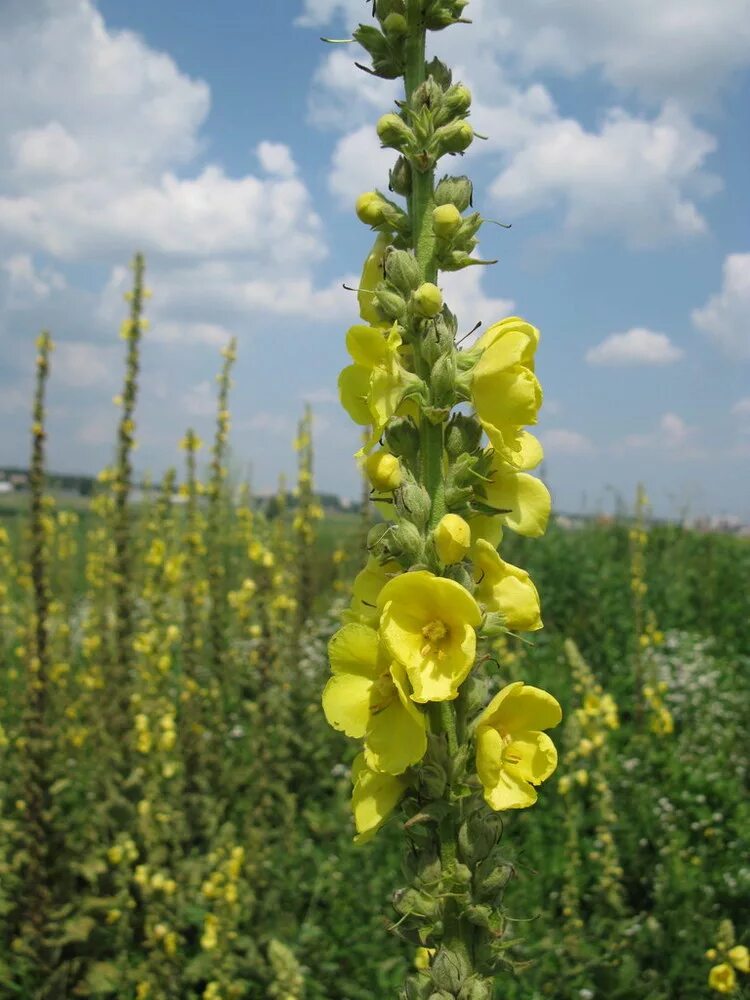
column 405, row 677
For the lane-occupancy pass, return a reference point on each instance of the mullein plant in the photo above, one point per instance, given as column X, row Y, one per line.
column 649, row 690
column 406, row 677
column 308, row 511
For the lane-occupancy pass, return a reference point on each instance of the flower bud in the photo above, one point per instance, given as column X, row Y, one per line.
column 443, row 381
column 390, row 303
column 452, row 538
column 456, row 191
column 402, row 438
column 428, row 300
column 414, row 503
column 402, row 270
column 457, row 100
column 475, row 988
column 393, row 131
column 446, row 220
column 369, row 208
column 406, row 543
column 449, row 970
column 383, row 471
column 395, row 24
column 400, row 177
column 455, row 137
column 463, row 435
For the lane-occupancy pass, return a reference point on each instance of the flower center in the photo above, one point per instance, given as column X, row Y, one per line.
column 382, row 693
column 435, row 635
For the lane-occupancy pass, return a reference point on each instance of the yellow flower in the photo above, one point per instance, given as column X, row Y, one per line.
column 452, row 539
column 372, row 275
column 525, row 499
column 374, row 797
column 373, row 388
column 367, row 586
column 507, row 589
column 739, row 956
column 427, row 624
column 368, row 696
column 513, row 754
column 504, row 389
column 722, row 978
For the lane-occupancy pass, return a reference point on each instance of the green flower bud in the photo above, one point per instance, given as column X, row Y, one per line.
column 492, row 876
column 412, row 902
column 428, row 300
column 456, row 191
column 376, row 535
column 429, row 94
column 441, row 14
column 455, row 137
column 400, row 177
column 475, row 988
column 402, row 438
column 417, row 988
column 383, row 471
column 433, row 779
column 395, row 24
column 387, row 58
column 383, row 8
column 452, row 539
column 458, row 99
column 449, row 970
column 463, row 435
column 478, row 835
column 391, row 304
column 441, row 995
column 414, row 503
column 406, row 543
column 402, row 270
column 446, row 220
column 443, row 381
column 393, row 131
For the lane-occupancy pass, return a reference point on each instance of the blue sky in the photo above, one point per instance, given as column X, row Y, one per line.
column 229, row 145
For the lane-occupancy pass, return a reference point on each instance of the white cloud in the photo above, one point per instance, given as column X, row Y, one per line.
column 742, row 407
column 726, row 315
column 638, row 346
column 82, row 365
column 200, row 399
column 172, row 331
column 673, row 437
column 358, row 164
column 560, row 441
column 276, row 158
column 26, row 282
column 635, row 177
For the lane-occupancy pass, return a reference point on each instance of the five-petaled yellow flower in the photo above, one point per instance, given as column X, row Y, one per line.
column 428, row 624
column 513, row 754
column 368, row 697
column 722, row 978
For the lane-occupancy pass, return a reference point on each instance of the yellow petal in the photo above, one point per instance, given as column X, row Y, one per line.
column 526, row 499
column 501, row 348
column 521, row 707
column 346, row 703
column 354, row 650
column 506, row 589
column 486, row 527
column 530, row 756
column 367, row 344
column 739, row 956
column 397, row 736
column 354, row 386
column 374, row 797
column 509, row 397
column 502, row 789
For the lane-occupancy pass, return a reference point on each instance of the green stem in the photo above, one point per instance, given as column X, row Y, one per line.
column 457, row 937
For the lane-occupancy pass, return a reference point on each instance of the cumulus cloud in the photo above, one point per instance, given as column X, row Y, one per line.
column 726, row 315
column 672, row 437
column 635, row 177
column 358, row 164
column 276, row 158
column 560, row 441
column 637, row 346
